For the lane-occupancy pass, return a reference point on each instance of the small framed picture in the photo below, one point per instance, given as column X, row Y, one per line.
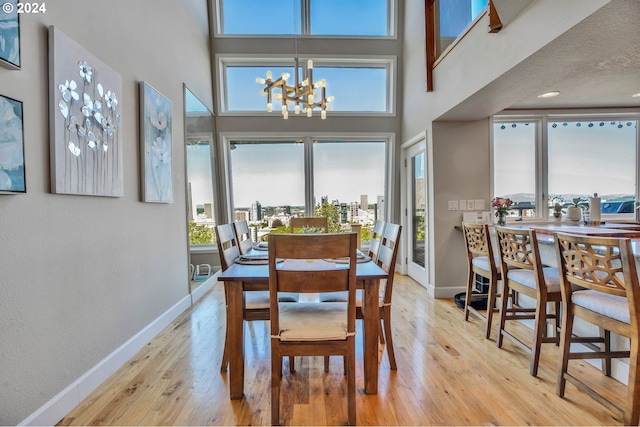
column 155, row 125
column 12, row 176
column 10, row 35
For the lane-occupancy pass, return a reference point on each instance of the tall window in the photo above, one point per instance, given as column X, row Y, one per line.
column 272, row 181
column 361, row 18
column 580, row 157
column 514, row 165
column 362, row 86
column 587, row 157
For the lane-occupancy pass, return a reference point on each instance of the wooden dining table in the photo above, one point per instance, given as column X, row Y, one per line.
column 241, row 278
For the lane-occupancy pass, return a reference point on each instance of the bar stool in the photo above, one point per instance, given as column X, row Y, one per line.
column 522, row 271
column 481, row 262
column 600, row 285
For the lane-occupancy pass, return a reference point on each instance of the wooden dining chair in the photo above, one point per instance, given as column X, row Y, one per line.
column 313, row 328
column 523, row 272
column 317, row 222
column 481, row 262
column 387, row 254
column 599, row 285
column 243, row 236
column 376, row 237
column 256, row 303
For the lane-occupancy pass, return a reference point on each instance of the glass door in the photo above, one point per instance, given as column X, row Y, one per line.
column 417, row 212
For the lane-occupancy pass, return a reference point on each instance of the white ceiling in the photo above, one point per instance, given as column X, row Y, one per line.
column 595, row 64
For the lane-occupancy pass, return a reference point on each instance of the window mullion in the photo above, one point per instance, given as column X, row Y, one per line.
column 308, row 177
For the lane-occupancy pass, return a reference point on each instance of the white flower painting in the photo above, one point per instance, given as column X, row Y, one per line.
column 85, row 116
column 155, row 120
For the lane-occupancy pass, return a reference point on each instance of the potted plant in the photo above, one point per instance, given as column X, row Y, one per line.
column 574, row 211
column 557, row 211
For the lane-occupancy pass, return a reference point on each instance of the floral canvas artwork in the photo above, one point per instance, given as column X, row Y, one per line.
column 155, row 123
column 12, row 176
column 85, row 121
column 10, row 35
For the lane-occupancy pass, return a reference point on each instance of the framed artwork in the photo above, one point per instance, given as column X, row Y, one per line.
column 12, row 176
column 10, row 35
column 155, row 143
column 85, row 121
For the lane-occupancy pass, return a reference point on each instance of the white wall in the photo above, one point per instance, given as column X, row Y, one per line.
column 82, row 275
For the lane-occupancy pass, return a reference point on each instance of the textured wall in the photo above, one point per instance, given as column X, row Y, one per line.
column 81, row 275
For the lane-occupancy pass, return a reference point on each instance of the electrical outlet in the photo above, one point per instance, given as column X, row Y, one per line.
column 453, row 205
column 462, row 204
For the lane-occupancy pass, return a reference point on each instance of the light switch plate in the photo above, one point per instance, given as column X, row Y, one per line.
column 462, row 204
column 479, row 204
column 471, row 205
column 453, row 205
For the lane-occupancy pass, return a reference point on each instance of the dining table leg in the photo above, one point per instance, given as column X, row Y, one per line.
column 371, row 336
column 236, row 339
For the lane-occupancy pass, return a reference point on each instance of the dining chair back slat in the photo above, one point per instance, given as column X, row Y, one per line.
column 243, row 236
column 227, row 245
column 376, row 238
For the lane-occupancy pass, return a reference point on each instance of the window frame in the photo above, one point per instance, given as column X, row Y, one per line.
column 541, row 161
column 308, row 139
column 392, row 24
column 223, row 61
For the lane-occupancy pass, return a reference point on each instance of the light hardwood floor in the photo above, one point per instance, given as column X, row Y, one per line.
column 448, row 374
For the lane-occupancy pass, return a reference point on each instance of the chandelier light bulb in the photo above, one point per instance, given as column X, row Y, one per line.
column 331, row 98
column 269, row 107
column 285, row 76
column 262, row 92
column 297, row 108
column 278, row 96
column 323, row 114
column 310, row 64
column 260, row 80
column 309, row 112
column 269, row 75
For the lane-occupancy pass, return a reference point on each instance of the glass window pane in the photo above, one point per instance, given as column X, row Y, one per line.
column 349, row 182
column 256, row 16
column 514, row 165
column 356, row 89
column 454, row 17
column 579, row 166
column 267, row 180
column 349, row 17
column 200, row 192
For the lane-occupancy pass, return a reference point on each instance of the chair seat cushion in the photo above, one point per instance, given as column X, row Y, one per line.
column 613, row 306
column 482, row 262
column 528, row 278
column 260, row 299
column 299, row 322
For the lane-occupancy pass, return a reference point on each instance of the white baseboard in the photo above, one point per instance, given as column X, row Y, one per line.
column 59, row 406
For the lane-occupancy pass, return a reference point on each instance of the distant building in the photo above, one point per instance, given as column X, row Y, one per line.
column 208, row 210
column 256, row 212
column 241, row 216
column 364, row 202
column 353, row 211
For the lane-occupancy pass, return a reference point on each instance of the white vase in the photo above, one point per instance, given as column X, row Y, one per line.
column 574, row 214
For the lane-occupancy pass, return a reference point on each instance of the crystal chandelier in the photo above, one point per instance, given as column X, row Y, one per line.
column 302, row 94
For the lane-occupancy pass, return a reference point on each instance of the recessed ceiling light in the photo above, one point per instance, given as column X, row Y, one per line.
column 549, row 94
column 636, row 95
